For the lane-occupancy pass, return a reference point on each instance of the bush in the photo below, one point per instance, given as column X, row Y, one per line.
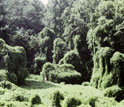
column 73, row 58
column 13, row 78
column 45, row 43
column 18, row 97
column 92, row 101
column 35, row 99
column 115, row 92
column 59, row 49
column 86, row 84
column 2, row 91
column 14, row 60
column 71, row 102
column 8, row 85
column 47, row 67
column 39, row 61
column 61, row 73
column 3, row 75
column 72, row 77
column 56, row 99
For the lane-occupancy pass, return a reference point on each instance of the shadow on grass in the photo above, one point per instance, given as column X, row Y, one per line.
column 32, row 84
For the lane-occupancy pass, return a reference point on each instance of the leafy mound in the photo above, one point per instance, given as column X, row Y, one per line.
column 13, row 60
column 61, row 73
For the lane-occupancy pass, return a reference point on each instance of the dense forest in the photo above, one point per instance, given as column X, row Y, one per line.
column 66, row 53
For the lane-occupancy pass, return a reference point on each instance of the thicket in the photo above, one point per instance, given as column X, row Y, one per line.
column 61, row 73
column 71, row 41
column 105, row 40
column 12, row 63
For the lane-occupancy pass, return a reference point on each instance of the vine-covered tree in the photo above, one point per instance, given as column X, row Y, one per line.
column 59, row 50
column 105, row 39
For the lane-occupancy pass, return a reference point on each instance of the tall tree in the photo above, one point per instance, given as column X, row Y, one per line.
column 53, row 14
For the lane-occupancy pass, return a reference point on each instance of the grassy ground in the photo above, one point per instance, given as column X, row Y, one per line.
column 72, row 95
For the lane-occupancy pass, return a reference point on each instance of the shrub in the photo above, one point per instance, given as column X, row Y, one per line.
column 115, row 92
column 59, row 49
column 86, row 84
column 39, row 61
column 56, row 99
column 73, row 58
column 92, row 101
column 35, row 99
column 13, row 78
column 67, row 67
column 45, row 43
column 71, row 102
column 2, row 91
column 13, row 59
column 47, row 67
column 72, row 77
column 61, row 73
column 3, row 75
column 18, row 97
column 8, row 85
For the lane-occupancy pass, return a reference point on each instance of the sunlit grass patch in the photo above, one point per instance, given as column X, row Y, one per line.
column 54, row 95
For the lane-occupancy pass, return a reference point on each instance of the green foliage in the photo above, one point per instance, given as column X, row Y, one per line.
column 117, row 62
column 52, row 93
column 116, row 92
column 45, row 43
column 13, row 104
column 13, row 59
column 8, row 85
column 105, row 40
column 61, row 73
column 47, row 67
column 86, row 84
column 35, row 99
column 13, row 78
column 117, row 58
column 59, row 49
column 3, row 75
column 18, row 97
column 92, row 101
column 2, row 91
column 71, row 102
column 72, row 57
column 82, row 105
column 61, row 61
column 46, row 32
column 39, row 61
column 77, row 42
column 56, row 99
column 53, row 14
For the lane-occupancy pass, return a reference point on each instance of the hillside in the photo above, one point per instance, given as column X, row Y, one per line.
column 54, row 95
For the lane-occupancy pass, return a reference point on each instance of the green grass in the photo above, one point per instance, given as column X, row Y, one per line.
column 87, row 95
